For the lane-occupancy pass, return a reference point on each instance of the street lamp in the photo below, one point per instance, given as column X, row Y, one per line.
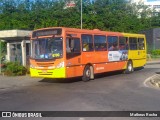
column 81, row 15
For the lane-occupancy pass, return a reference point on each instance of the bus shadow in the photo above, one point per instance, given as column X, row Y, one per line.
column 61, row 80
column 78, row 79
column 138, row 69
column 108, row 74
column 113, row 73
column 157, row 72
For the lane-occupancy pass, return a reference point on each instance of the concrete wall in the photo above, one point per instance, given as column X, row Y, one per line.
column 153, row 38
column 149, row 38
column 14, row 33
column 153, row 4
column 16, row 37
column 156, row 38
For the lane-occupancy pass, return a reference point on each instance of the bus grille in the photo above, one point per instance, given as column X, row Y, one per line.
column 45, row 64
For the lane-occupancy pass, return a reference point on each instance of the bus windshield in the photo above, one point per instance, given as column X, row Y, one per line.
column 47, row 48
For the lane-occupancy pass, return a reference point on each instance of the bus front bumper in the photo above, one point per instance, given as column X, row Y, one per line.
column 54, row 73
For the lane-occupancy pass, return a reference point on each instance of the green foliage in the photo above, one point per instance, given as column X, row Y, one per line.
column 14, row 69
column 3, row 48
column 155, row 52
column 113, row 15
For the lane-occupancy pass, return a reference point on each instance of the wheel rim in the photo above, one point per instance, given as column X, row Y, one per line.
column 130, row 67
column 88, row 73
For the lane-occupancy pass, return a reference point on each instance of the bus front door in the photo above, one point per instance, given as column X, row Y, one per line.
column 73, row 57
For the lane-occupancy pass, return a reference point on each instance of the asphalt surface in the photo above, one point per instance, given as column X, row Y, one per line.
column 108, row 92
column 13, row 82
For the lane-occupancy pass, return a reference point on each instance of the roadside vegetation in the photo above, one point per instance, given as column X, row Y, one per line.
column 13, row 69
column 3, row 51
column 109, row 15
column 155, row 54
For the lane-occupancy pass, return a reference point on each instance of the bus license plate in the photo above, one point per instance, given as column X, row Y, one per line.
column 44, row 71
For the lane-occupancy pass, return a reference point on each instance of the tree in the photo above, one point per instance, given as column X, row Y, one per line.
column 113, row 15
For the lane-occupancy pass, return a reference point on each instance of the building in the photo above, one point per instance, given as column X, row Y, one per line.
column 153, row 4
column 70, row 4
column 18, row 45
column 153, row 38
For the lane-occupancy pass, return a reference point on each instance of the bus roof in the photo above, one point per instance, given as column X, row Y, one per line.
column 133, row 35
column 96, row 31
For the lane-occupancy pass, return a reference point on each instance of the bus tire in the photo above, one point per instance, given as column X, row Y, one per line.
column 86, row 73
column 92, row 73
column 129, row 68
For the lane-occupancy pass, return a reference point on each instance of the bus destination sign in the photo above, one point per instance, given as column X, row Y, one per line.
column 47, row 32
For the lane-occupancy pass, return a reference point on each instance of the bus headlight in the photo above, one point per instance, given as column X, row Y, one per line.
column 32, row 66
column 51, row 67
column 60, row 65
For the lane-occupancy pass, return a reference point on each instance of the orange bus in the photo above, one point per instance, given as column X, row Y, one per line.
column 59, row 52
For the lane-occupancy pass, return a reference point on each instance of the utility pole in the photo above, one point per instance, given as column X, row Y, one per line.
column 0, row 57
column 81, row 16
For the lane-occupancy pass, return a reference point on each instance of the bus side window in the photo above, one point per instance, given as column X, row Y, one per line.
column 133, row 43
column 123, row 43
column 100, row 43
column 127, row 44
column 112, row 43
column 87, row 43
column 141, row 43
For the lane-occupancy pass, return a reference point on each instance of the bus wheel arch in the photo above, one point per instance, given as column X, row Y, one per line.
column 88, row 73
column 129, row 68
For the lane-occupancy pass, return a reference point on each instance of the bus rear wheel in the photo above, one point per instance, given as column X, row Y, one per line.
column 129, row 68
column 87, row 73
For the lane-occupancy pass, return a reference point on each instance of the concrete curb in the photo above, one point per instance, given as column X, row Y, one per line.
column 153, row 81
column 151, row 63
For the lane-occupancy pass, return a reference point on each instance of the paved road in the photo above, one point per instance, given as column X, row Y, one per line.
column 108, row 92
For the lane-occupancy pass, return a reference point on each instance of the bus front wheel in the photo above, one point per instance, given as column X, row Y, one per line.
column 129, row 68
column 87, row 73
